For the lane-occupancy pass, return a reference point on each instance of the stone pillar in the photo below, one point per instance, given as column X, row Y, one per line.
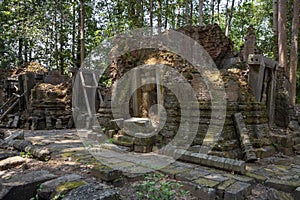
column 250, row 43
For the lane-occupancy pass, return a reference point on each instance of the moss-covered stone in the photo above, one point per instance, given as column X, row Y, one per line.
column 257, row 177
column 67, row 186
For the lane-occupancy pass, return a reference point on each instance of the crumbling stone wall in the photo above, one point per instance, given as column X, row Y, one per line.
column 50, row 106
column 44, row 98
column 238, row 98
column 213, row 39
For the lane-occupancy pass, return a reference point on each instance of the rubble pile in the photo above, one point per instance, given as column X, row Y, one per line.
column 50, row 106
column 36, row 98
column 29, row 67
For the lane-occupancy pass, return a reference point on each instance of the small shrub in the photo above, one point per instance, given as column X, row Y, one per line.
column 159, row 187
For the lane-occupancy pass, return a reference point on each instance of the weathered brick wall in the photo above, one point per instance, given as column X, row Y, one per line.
column 238, row 98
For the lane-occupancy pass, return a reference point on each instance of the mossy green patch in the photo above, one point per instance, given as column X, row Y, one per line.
column 257, row 177
column 67, row 186
column 206, row 182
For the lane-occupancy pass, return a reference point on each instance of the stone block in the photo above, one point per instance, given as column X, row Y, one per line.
column 296, row 147
column 142, row 149
column 265, row 152
column 258, row 178
column 105, row 173
column 286, row 150
column 202, row 193
column 296, row 140
column 221, row 188
column 50, row 188
column 237, row 190
column 285, row 186
column 282, row 140
column 144, row 139
column 92, row 191
column 11, row 162
column 297, row 193
column 123, row 140
column 24, row 185
column 192, row 174
column 203, row 182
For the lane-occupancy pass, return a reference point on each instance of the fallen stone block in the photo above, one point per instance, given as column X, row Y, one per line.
column 237, row 190
column 16, row 135
column 202, row 193
column 60, row 185
column 23, row 185
column 5, row 155
column 285, row 186
column 243, row 135
column 227, row 164
column 11, row 162
column 265, row 152
column 297, row 193
column 93, row 191
column 105, row 173
column 26, row 146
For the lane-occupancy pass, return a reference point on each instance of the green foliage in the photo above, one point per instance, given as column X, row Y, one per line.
column 158, row 187
column 26, row 155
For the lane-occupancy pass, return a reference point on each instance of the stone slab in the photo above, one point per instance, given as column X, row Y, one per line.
column 24, row 185
column 286, row 186
column 202, row 193
column 48, row 189
column 11, row 162
column 93, row 191
column 297, row 193
column 238, row 190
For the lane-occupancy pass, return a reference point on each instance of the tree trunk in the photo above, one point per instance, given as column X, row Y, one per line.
column 200, row 12
column 20, row 51
column 275, row 29
column 294, row 51
column 151, row 13
column 178, row 13
column 159, row 15
column 282, row 37
column 187, row 12
column 218, row 9
column 191, row 12
column 82, row 36
column 212, row 9
column 56, row 37
column 61, row 39
column 228, row 23
column 74, row 34
column 166, row 14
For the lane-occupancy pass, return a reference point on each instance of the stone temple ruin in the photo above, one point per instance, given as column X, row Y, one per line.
column 33, row 98
column 251, row 83
column 259, row 123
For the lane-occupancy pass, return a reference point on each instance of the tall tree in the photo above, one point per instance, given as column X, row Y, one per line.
column 294, row 51
column 159, row 15
column 228, row 21
column 82, row 33
column 275, row 29
column 200, row 12
column 282, row 35
column 212, row 10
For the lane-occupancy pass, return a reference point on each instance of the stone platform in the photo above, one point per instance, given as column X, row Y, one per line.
column 276, row 177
